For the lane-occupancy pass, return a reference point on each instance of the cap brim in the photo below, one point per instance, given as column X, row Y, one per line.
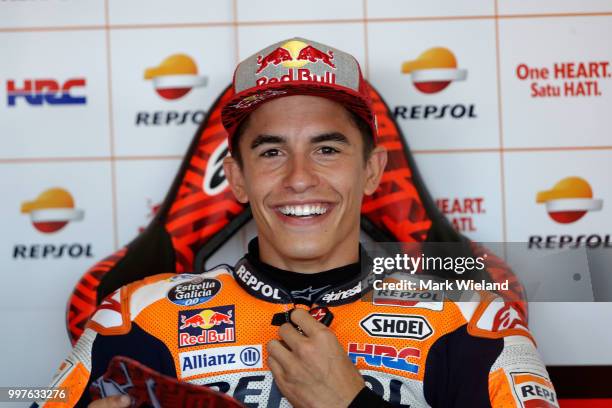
column 242, row 104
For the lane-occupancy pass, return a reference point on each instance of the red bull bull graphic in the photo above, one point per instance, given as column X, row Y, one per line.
column 276, row 57
column 206, row 326
column 311, row 54
column 294, row 55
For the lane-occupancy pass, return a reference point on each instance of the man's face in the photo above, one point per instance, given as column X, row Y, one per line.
column 304, row 175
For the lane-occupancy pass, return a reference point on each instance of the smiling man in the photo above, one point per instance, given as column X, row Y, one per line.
column 304, row 165
column 295, row 322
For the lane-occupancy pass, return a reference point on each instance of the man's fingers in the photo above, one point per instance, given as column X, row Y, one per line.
column 291, row 336
column 307, row 323
column 280, row 353
column 277, row 370
column 116, row 401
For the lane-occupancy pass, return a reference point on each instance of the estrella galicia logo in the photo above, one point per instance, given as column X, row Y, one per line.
column 250, row 356
column 194, row 292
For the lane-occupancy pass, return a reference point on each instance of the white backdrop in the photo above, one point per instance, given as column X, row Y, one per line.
column 528, row 108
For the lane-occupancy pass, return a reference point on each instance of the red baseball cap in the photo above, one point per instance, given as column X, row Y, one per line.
column 297, row 66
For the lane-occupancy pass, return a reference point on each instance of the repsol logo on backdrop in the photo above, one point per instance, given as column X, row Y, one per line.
column 170, row 118
column 434, row 112
column 53, row 251
column 569, row 241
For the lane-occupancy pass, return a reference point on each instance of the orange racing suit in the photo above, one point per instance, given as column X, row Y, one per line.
column 414, row 349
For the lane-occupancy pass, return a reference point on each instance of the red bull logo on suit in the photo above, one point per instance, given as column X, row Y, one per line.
column 206, row 326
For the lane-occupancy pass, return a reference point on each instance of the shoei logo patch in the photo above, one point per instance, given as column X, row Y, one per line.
column 378, row 355
column 52, row 210
column 216, row 359
column 534, row 391
column 396, row 326
column 194, row 292
column 434, row 70
column 569, row 200
column 206, row 326
column 39, row 92
column 175, row 76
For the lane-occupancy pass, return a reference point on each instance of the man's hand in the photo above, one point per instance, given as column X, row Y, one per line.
column 312, row 369
column 116, row 401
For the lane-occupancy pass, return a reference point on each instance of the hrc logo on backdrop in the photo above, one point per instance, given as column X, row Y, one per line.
column 38, row 92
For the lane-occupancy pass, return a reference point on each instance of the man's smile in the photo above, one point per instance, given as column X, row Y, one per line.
column 304, row 212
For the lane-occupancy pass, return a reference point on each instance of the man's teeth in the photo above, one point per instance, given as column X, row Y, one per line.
column 303, row 210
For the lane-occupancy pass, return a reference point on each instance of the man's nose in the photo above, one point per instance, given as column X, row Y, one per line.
column 300, row 175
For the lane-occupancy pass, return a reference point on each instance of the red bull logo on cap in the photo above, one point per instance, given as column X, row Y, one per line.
column 206, row 326
column 294, row 55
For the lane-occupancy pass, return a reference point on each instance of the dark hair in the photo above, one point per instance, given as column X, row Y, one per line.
column 362, row 126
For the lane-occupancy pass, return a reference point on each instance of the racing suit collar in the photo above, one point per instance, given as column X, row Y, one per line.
column 333, row 287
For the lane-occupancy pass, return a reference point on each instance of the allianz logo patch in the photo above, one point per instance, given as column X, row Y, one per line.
column 396, row 326
column 211, row 360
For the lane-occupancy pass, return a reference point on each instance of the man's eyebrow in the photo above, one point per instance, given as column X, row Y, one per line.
column 262, row 139
column 330, row 137
column 325, row 137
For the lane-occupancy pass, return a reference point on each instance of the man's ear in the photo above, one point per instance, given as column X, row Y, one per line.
column 375, row 167
column 235, row 178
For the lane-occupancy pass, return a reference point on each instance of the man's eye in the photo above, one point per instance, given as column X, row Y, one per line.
column 270, row 153
column 328, row 150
